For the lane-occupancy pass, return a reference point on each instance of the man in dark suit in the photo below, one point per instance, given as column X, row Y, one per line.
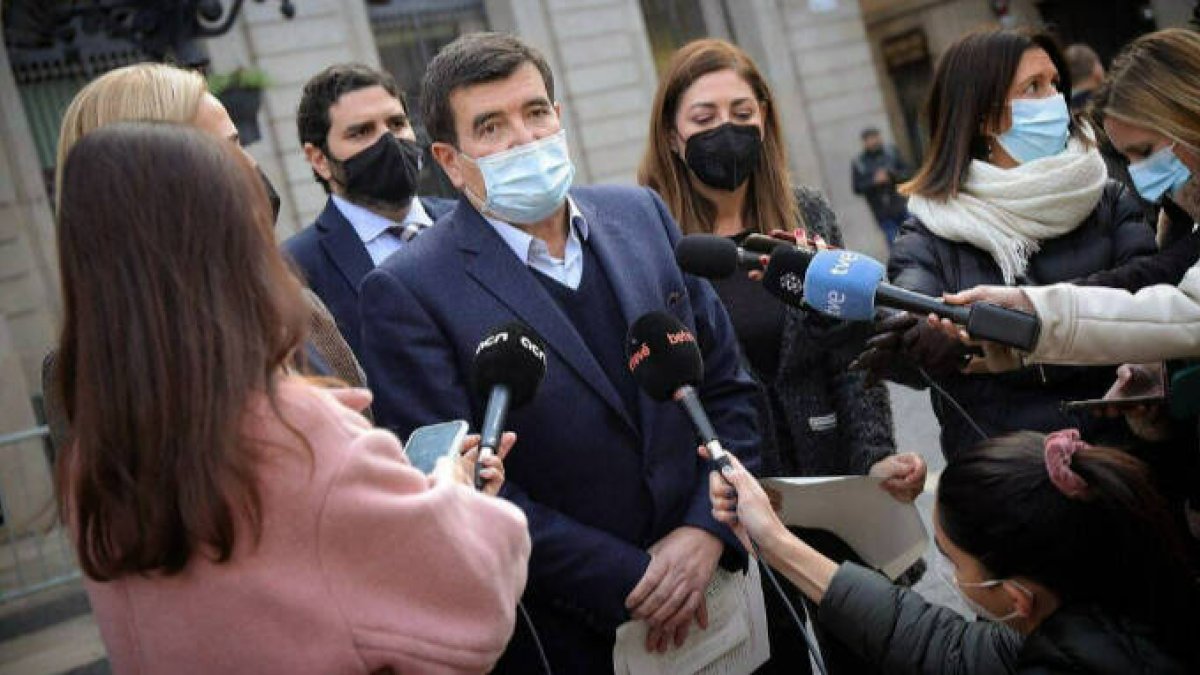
column 610, row 480
column 355, row 131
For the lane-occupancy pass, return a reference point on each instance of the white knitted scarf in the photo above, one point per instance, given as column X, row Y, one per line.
column 1008, row 212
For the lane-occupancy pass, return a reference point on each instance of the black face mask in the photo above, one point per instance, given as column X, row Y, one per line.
column 724, row 157
column 384, row 174
column 271, row 195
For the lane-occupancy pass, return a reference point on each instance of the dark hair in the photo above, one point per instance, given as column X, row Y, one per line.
column 473, row 58
column 324, row 89
column 1081, row 61
column 178, row 308
column 868, row 132
column 969, row 93
column 998, row 504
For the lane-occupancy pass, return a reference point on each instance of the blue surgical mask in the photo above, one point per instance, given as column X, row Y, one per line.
column 527, row 183
column 1040, row 128
column 1160, row 173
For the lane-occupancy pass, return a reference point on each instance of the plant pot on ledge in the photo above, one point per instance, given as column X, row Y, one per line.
column 241, row 94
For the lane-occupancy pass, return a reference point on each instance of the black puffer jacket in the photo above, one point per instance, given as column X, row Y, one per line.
column 1112, row 235
column 898, row 630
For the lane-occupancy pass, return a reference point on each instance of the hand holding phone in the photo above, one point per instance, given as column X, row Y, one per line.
column 431, row 442
column 1138, row 386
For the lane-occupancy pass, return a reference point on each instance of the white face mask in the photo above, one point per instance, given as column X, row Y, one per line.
column 945, row 569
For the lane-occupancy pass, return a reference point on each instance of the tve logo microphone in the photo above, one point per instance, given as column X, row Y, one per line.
column 842, row 284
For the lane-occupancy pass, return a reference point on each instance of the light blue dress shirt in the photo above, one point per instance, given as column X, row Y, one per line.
column 534, row 253
column 373, row 229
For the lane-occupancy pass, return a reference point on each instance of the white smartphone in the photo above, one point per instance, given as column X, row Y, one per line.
column 431, row 442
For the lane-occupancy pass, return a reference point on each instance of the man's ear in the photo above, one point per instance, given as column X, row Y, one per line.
column 448, row 158
column 319, row 162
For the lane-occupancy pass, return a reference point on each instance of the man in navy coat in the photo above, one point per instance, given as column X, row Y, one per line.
column 610, row 480
column 355, row 131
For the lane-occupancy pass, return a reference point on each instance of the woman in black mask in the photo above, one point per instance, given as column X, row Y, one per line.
column 716, row 156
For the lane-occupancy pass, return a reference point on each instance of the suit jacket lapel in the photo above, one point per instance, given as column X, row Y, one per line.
column 344, row 247
column 492, row 264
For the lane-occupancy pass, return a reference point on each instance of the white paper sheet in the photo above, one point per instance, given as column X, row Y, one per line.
column 735, row 642
column 887, row 534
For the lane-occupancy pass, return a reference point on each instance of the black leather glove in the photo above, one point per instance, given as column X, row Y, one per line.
column 930, row 348
column 884, row 347
column 909, row 339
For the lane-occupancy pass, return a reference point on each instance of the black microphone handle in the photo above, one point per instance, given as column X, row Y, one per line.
column 748, row 260
column 983, row 320
column 690, row 400
column 895, row 297
column 492, row 428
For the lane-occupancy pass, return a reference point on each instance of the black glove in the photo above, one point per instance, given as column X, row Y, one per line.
column 910, row 339
column 884, row 347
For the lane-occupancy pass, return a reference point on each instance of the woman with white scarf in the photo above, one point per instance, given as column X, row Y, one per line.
column 1012, row 191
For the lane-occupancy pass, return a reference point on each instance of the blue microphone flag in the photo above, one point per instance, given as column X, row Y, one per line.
column 842, row 284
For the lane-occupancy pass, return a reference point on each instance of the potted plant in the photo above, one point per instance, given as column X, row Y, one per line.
column 240, row 92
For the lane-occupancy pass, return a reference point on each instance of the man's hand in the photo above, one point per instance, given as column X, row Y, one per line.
column 903, row 475
column 671, row 593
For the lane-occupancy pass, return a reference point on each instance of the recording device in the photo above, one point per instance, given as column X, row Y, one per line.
column 847, row 285
column 784, row 276
column 1139, row 391
column 766, row 245
column 427, row 444
column 509, row 365
column 714, row 257
column 666, row 362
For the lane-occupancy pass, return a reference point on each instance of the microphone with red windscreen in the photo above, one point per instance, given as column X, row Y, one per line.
column 666, row 362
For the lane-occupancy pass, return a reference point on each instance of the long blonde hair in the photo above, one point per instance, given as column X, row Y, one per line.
column 143, row 91
column 770, row 203
column 1155, row 83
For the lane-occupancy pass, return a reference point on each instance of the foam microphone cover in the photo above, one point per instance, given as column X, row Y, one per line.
column 663, row 355
column 784, row 276
column 707, row 255
column 842, row 284
column 512, row 355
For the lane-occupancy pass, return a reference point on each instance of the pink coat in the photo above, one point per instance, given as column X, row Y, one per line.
column 364, row 565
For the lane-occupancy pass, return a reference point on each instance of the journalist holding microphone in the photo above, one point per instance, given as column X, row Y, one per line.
column 1067, row 548
column 1150, row 106
column 228, row 515
column 1012, row 191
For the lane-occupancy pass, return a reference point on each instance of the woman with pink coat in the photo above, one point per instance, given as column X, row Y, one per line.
column 229, row 516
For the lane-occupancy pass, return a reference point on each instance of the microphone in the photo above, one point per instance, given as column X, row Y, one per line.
column 784, row 276
column 509, row 365
column 665, row 360
column 847, row 285
column 713, row 257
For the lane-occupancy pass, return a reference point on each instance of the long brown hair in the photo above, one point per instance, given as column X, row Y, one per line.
column 969, row 95
column 178, row 308
column 770, row 203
